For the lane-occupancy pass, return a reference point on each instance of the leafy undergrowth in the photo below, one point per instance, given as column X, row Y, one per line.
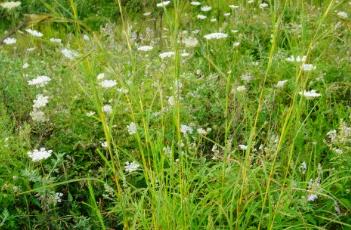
column 210, row 116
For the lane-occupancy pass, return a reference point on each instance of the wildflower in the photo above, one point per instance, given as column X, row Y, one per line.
column 246, row 77
column 40, row 81
column 25, row 65
column 58, row 197
column 206, row 8
column 90, row 113
column 10, row 41
column 312, row 197
column 38, row 115
column 201, row 131
column 163, row 4
column 132, row 128
column 100, row 76
column 40, row 101
column 250, row 1
column 184, row 54
column 167, row 54
column 263, row 5
column 308, row 67
column 34, row 33
column 332, row 135
column 108, row 84
column 243, row 147
column 10, row 5
column 310, row 94
column 342, row 14
column 233, row 7
column 281, row 84
column 167, row 150
column 147, row 14
column 131, row 166
column 226, row 14
column 190, row 42
column 213, row 20
column 194, row 3
column 107, row 109
column 145, row 48
column 70, row 54
column 313, row 187
column 171, row 101
column 185, row 129
column 104, row 144
column 241, row 88
column 215, row 36
column 38, row 155
column 303, row 167
column 55, row 40
column 296, row 59
column 86, row 37
column 201, row 17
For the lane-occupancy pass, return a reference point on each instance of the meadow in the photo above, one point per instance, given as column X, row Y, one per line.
column 211, row 114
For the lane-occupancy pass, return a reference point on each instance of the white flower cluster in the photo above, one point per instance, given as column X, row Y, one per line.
column 10, row 5
column 39, row 154
column 132, row 128
column 40, row 100
column 215, row 36
column 34, row 33
column 70, row 54
column 131, row 166
column 10, row 41
column 310, row 94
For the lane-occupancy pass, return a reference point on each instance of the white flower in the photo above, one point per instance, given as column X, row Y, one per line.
column 246, row 77
column 147, row 14
column 201, row 131
column 86, row 37
column 58, row 197
column 206, row 8
column 70, row 54
column 131, row 166
column 10, row 41
column 298, row 59
column 263, row 5
column 163, row 4
column 233, row 7
column 108, row 84
column 104, row 144
column 308, row 67
column 213, row 20
column 40, row 101
column 171, row 101
column 40, row 81
column 25, row 65
column 38, row 155
column 332, row 135
column 243, row 147
column 55, row 40
column 167, row 150
column 34, row 33
column 107, row 109
column 195, row 3
column 226, row 14
column 236, row 44
column 241, row 88
column 167, row 54
column 100, row 76
column 250, row 1
column 201, row 17
column 342, row 14
column 10, row 5
column 132, row 128
column 185, row 129
column 215, row 36
column 185, row 54
column 90, row 113
column 38, row 116
column 145, row 48
column 281, row 84
column 190, row 42
column 303, row 167
column 310, row 94
column 312, row 197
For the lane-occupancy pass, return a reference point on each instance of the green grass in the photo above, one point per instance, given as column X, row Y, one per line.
column 210, row 156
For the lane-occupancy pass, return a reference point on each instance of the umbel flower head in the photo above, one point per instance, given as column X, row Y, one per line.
column 38, row 155
column 10, row 5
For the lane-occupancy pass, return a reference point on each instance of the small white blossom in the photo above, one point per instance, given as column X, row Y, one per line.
column 303, row 167
column 145, row 48
column 25, row 66
column 226, row 14
column 215, row 36
column 10, row 41
column 108, row 84
column 195, row 3
column 263, row 5
column 185, row 129
column 163, row 4
column 167, row 54
column 190, row 42
column 40, row 101
column 100, row 76
column 107, row 109
column 171, row 101
column 308, row 67
column 206, row 8
column 58, row 197
column 86, row 37
column 40, row 81
column 70, row 54
column 38, row 116
column 34, row 33
column 146, row 14
column 312, row 197
column 246, row 77
column 10, row 5
column 281, row 84
column 243, row 147
column 131, row 166
column 38, row 155
column 201, row 17
column 55, row 40
column 297, row 59
column 310, row 94
column 233, row 7
column 342, row 14
column 132, row 128
column 201, row 131
column 241, row 88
